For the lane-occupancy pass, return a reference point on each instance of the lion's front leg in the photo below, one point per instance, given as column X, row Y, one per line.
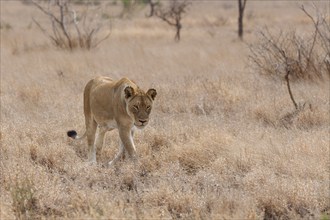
column 126, row 137
column 125, row 154
column 126, row 145
column 119, row 154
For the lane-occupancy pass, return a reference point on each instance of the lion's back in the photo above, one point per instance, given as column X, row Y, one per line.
column 103, row 97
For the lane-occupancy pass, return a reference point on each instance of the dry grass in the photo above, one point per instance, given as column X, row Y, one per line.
column 221, row 143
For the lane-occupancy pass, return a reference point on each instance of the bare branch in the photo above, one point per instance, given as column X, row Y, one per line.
column 66, row 31
column 325, row 37
column 46, row 12
column 103, row 39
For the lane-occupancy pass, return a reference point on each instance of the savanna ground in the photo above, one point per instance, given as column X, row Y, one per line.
column 219, row 144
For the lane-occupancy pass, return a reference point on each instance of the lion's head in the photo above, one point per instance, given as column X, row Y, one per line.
column 139, row 105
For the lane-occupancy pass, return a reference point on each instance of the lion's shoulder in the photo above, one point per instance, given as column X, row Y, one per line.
column 125, row 82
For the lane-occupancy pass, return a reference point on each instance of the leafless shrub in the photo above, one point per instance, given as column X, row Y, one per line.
column 293, row 57
column 172, row 14
column 68, row 29
column 287, row 53
column 301, row 57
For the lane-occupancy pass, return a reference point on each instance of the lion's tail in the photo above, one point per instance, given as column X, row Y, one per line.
column 87, row 112
column 73, row 134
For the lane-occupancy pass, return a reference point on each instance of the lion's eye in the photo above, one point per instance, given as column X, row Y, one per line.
column 136, row 107
column 148, row 107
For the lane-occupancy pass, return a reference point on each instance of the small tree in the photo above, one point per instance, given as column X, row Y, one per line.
column 67, row 29
column 172, row 14
column 293, row 57
column 241, row 8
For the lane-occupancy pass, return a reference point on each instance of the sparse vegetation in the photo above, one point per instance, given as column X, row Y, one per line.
column 222, row 142
column 292, row 57
column 287, row 52
column 291, row 54
column 69, row 29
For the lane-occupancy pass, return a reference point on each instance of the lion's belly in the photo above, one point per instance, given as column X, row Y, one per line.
column 112, row 124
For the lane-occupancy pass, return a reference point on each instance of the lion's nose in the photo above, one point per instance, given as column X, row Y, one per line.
column 142, row 121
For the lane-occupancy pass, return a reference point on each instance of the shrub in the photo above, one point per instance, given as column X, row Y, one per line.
column 290, row 56
column 67, row 29
column 302, row 57
column 289, row 53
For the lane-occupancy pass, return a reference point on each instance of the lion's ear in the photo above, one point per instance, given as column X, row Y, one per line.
column 152, row 93
column 129, row 91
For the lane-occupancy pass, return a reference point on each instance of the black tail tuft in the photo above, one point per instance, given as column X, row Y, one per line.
column 72, row 134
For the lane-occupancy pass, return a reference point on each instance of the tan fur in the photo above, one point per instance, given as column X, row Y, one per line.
column 110, row 104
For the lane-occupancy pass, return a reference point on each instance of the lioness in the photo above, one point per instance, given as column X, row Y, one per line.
column 110, row 104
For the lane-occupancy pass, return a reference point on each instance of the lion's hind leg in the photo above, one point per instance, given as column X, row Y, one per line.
column 99, row 142
column 91, row 130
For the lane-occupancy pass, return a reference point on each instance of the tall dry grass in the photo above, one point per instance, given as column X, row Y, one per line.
column 216, row 146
